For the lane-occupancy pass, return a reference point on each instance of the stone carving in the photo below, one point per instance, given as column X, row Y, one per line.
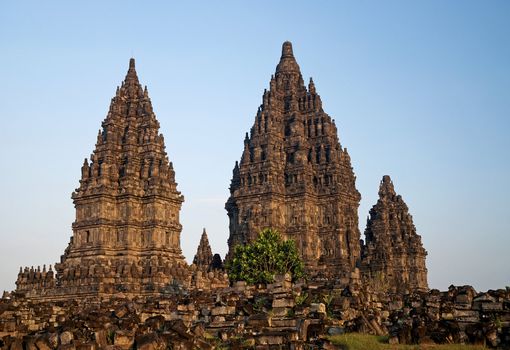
column 295, row 176
column 393, row 257
column 126, row 236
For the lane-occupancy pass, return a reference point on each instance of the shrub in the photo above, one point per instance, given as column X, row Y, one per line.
column 261, row 260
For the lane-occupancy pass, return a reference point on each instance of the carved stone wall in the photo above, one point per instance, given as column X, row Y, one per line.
column 393, row 257
column 295, row 176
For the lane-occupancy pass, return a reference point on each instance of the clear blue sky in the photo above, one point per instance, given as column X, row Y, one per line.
column 419, row 91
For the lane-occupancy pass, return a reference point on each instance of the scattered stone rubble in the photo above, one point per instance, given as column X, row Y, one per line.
column 281, row 315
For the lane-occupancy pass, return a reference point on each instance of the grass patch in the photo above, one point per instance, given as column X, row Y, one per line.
column 358, row 341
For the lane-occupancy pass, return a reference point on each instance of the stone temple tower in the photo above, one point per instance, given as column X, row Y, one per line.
column 393, row 257
column 295, row 176
column 126, row 236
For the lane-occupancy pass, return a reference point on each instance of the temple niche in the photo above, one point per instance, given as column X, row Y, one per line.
column 295, row 176
column 126, row 236
column 393, row 257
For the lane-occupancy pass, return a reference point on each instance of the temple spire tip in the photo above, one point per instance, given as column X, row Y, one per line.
column 288, row 62
column 287, row 49
column 131, row 73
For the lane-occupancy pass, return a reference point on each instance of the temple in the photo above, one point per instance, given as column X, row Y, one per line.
column 295, row 176
column 393, row 257
column 126, row 236
column 204, row 256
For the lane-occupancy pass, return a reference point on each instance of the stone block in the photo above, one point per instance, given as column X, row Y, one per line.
column 447, row 316
column 283, row 278
column 287, row 302
column 17, row 344
column 10, row 326
column 416, row 304
column 223, row 310
column 66, row 338
column 67, row 347
column 279, row 290
column 149, row 341
column 395, row 305
column 121, row 311
column 29, row 344
column 101, row 338
column 336, row 331
column 463, row 299
column 319, row 308
column 87, row 346
column 240, row 286
column 280, row 311
column 124, row 339
column 53, row 340
column 466, row 314
column 284, row 323
column 218, row 319
column 492, row 306
column 271, row 339
column 258, row 321
column 42, row 344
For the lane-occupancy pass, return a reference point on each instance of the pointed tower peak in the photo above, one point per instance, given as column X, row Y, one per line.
column 386, row 187
column 204, row 256
column 131, row 73
column 287, row 49
column 311, row 86
column 287, row 63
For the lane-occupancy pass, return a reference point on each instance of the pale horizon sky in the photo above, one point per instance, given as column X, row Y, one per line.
column 419, row 91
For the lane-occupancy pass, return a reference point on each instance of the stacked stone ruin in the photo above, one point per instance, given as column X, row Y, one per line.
column 280, row 315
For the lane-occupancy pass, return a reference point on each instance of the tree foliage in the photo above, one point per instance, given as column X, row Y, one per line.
column 261, row 260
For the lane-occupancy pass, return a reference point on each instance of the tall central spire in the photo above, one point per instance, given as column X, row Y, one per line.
column 295, row 176
column 131, row 74
column 287, row 63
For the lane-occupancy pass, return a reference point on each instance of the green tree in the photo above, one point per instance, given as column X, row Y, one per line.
column 261, row 260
